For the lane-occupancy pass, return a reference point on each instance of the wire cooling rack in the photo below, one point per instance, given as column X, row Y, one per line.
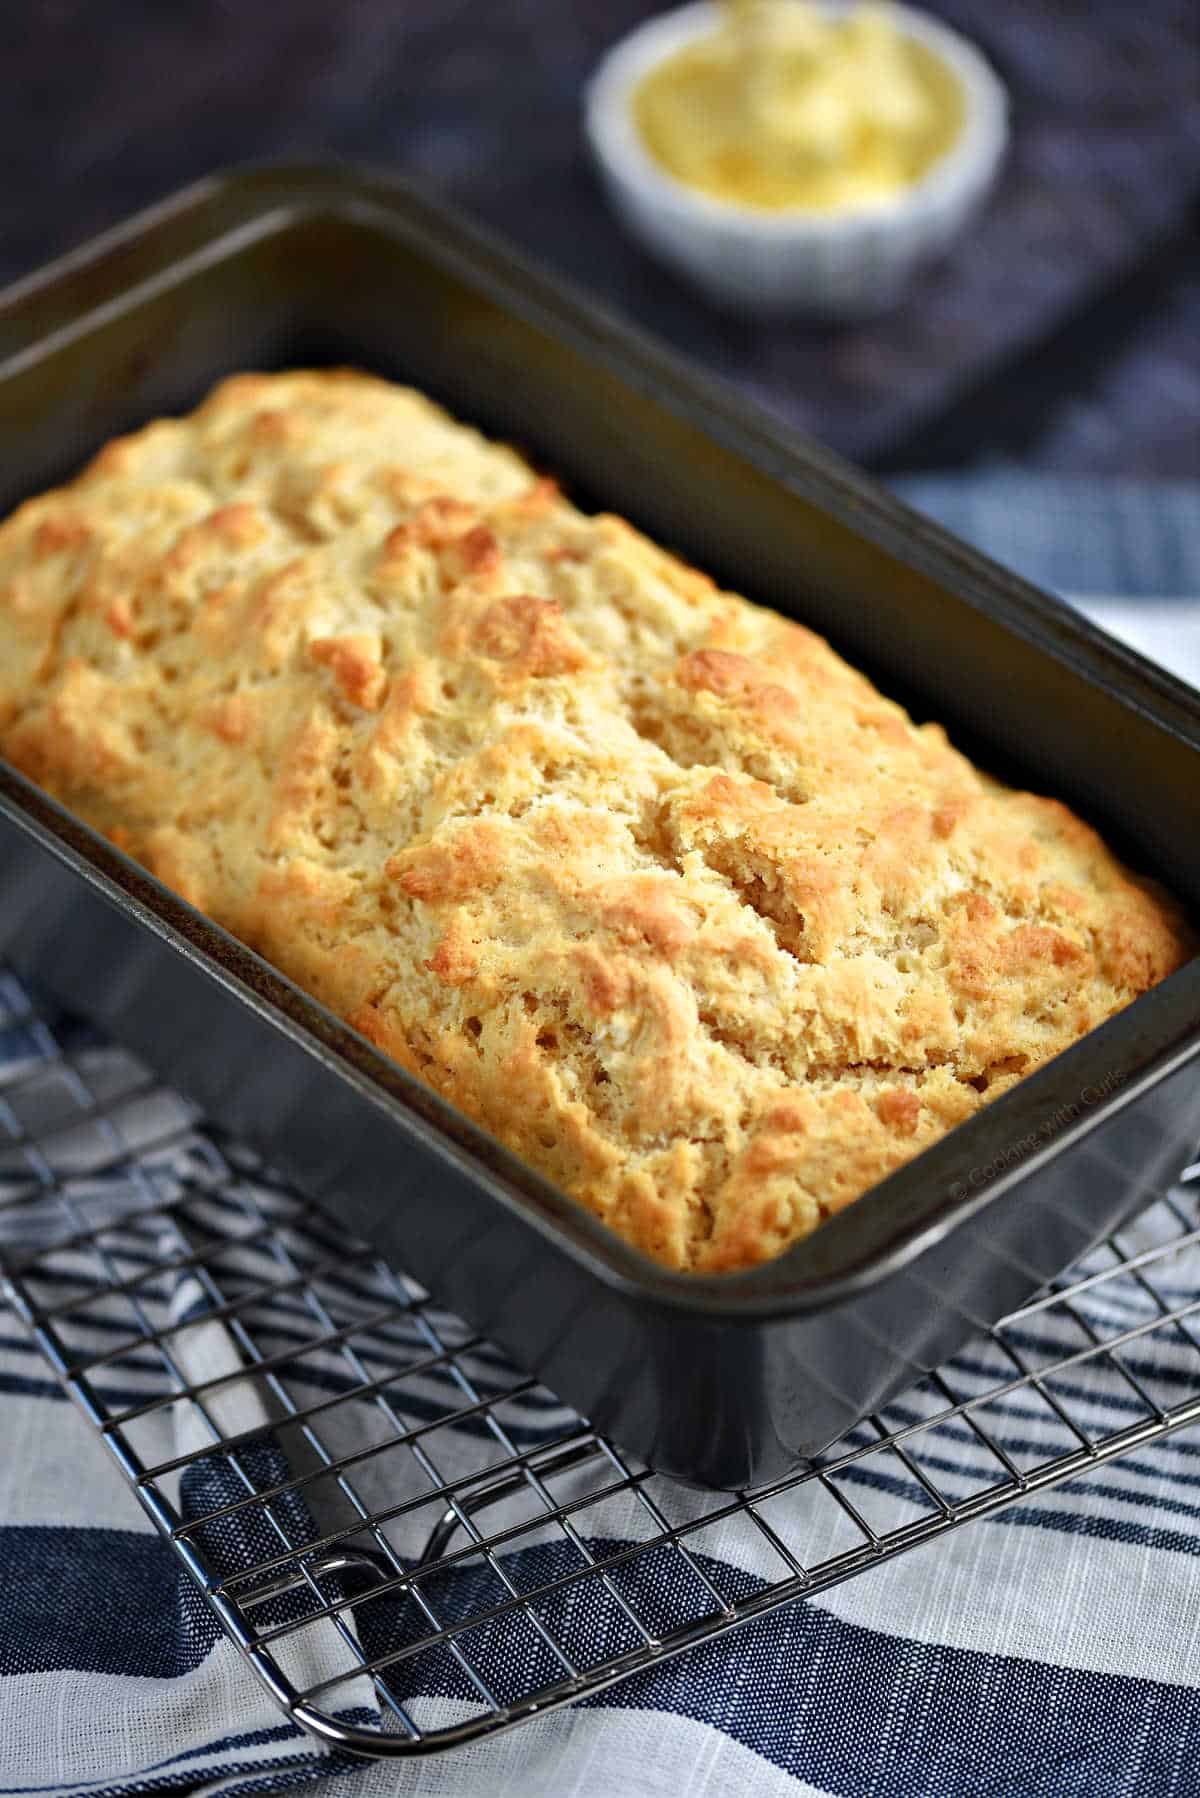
column 384, row 1512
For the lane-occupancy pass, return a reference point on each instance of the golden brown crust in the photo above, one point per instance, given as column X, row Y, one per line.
column 644, row 878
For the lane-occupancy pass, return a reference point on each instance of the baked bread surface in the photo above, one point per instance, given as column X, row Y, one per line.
column 641, row 876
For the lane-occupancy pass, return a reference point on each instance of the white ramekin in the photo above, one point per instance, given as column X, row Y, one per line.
column 840, row 264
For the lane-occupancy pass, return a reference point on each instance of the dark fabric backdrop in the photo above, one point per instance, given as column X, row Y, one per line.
column 1064, row 332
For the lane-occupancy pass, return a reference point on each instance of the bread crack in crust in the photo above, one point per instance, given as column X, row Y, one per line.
column 642, row 877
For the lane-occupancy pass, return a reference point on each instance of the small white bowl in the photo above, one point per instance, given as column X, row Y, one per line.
column 849, row 263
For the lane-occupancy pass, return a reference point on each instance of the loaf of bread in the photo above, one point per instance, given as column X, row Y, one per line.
column 639, row 875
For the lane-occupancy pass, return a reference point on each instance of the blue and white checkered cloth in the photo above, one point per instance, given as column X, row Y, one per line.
column 1052, row 1649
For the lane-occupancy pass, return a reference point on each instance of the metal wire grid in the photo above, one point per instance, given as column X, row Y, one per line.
column 391, row 1522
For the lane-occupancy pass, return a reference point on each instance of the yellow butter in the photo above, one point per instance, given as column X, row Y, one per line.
column 787, row 106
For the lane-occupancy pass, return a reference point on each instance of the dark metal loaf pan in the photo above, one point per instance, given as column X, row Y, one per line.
column 718, row 1380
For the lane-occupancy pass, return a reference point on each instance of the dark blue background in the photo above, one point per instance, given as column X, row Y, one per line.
column 1065, row 332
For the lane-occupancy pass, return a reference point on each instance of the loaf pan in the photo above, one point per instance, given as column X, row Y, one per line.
column 727, row 1380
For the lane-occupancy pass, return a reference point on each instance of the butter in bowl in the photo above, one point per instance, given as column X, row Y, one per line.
column 789, row 157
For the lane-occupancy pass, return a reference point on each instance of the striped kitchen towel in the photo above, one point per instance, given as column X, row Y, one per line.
column 1053, row 1648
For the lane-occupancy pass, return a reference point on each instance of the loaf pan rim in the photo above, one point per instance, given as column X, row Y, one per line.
column 770, row 1289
